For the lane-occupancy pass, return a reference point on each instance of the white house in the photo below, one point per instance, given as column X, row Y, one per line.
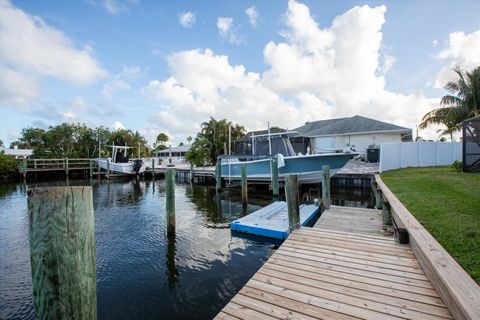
column 17, row 153
column 357, row 132
column 176, row 154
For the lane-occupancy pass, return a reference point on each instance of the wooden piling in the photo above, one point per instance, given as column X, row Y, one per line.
column 326, row 186
column 218, row 173
column 191, row 171
column 386, row 213
column 377, row 194
column 108, row 168
column 293, row 201
column 66, row 167
column 275, row 184
column 62, row 252
column 170, row 201
column 244, row 186
column 153, row 168
column 91, row 168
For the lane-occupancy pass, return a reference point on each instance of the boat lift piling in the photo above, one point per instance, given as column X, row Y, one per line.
column 326, row 186
column 244, row 186
column 170, row 201
column 218, row 173
column 293, row 201
column 275, row 184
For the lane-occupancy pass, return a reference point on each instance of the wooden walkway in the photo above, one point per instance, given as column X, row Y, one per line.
column 358, row 220
column 321, row 273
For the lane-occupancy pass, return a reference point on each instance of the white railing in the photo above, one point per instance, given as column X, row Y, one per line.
column 418, row 154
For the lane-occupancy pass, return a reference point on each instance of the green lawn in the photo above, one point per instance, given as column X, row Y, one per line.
column 447, row 204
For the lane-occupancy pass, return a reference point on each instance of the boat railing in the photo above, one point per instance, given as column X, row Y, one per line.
column 241, row 158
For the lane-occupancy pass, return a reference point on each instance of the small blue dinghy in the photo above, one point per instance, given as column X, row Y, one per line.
column 272, row 220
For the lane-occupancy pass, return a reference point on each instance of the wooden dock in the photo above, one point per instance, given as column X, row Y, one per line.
column 330, row 272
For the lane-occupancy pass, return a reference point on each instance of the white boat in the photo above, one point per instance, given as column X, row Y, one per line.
column 121, row 164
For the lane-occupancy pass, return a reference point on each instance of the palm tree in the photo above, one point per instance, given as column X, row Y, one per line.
column 461, row 104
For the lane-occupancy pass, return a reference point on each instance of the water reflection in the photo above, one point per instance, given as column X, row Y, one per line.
column 143, row 270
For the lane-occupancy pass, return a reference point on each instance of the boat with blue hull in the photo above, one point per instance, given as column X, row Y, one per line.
column 307, row 167
column 258, row 155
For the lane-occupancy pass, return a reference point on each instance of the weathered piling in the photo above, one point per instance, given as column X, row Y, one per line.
column 244, row 186
column 386, row 213
column 153, row 168
column 293, row 201
column 218, row 174
column 170, row 200
column 66, row 167
column 377, row 194
column 108, row 168
column 275, row 184
column 191, row 171
column 326, row 186
column 90, row 163
column 62, row 252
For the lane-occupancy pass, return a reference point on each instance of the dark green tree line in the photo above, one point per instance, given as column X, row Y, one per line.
column 211, row 141
column 79, row 141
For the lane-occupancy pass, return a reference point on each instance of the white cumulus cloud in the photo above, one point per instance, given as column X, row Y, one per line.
column 463, row 50
column 316, row 72
column 252, row 15
column 227, row 30
column 186, row 19
column 28, row 43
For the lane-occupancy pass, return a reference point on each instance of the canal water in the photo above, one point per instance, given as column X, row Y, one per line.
column 142, row 273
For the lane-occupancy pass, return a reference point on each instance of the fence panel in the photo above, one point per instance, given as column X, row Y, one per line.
column 418, row 154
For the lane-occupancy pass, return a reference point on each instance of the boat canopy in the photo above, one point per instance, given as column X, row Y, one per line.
column 280, row 145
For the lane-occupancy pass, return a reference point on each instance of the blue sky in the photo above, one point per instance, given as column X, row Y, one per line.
column 133, row 64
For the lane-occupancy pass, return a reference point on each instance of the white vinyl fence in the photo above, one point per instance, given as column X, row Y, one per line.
column 418, row 154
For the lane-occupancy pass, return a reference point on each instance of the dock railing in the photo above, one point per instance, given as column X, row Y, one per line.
column 459, row 292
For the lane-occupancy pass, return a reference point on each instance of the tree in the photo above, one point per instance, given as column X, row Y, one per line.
column 8, row 167
column 211, row 140
column 462, row 103
column 161, row 141
column 1, row 144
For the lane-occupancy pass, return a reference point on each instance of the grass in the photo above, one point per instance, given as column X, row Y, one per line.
column 447, row 204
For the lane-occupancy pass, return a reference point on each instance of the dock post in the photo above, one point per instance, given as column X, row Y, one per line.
column 244, row 186
column 191, row 171
column 108, row 168
column 293, row 201
column 275, row 184
column 153, row 168
column 326, row 186
column 377, row 193
column 218, row 172
column 66, row 167
column 62, row 252
column 24, row 165
column 386, row 213
column 170, row 201
column 90, row 162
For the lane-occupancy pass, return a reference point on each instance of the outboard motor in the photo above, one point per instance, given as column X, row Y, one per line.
column 137, row 164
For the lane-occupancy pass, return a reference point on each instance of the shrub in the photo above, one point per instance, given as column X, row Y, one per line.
column 457, row 165
column 8, row 167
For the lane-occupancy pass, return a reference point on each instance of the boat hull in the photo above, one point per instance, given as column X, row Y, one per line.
column 308, row 168
column 120, row 168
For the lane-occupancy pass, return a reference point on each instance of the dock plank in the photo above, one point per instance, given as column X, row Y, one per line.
column 331, row 273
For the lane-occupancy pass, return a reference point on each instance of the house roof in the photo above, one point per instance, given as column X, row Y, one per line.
column 340, row 126
column 183, row 148
column 17, row 152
